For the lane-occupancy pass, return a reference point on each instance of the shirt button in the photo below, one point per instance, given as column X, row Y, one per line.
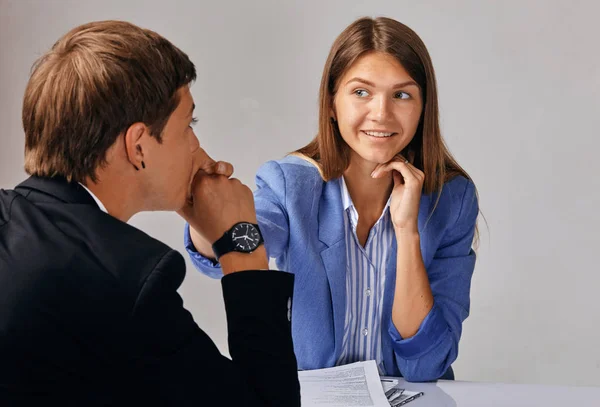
column 368, row 292
column 365, row 332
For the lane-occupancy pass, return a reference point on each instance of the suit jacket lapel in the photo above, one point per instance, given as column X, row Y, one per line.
column 331, row 233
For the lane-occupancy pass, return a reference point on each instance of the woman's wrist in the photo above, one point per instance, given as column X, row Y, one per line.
column 202, row 246
column 407, row 234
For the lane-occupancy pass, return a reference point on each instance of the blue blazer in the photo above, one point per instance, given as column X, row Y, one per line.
column 301, row 218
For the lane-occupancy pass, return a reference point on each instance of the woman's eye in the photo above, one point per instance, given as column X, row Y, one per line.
column 194, row 121
column 402, row 95
column 361, row 93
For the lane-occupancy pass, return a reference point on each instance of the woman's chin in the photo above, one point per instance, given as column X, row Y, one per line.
column 377, row 159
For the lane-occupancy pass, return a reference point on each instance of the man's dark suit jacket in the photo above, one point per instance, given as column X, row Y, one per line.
column 90, row 315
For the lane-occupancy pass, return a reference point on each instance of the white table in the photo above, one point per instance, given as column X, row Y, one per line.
column 466, row 394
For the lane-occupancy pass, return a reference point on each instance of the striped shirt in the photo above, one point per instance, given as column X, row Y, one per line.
column 365, row 279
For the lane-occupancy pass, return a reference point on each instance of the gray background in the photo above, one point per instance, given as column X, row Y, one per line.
column 519, row 85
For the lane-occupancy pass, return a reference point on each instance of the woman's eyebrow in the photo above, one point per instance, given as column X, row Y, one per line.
column 369, row 83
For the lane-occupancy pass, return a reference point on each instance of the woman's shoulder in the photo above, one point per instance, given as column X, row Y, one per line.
column 459, row 186
column 293, row 169
column 457, row 196
column 291, row 176
column 293, row 164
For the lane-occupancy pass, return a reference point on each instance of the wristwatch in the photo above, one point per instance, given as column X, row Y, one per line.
column 243, row 237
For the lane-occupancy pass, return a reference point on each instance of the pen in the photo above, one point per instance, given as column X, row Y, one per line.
column 400, row 402
column 393, row 393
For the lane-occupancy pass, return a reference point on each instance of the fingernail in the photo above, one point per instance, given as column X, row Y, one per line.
column 221, row 167
column 373, row 174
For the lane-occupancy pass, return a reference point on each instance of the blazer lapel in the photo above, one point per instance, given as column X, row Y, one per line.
column 386, row 313
column 331, row 234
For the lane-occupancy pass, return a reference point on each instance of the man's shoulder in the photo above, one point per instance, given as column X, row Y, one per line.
column 7, row 198
column 76, row 236
column 127, row 254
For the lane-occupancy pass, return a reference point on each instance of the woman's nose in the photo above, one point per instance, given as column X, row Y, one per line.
column 380, row 109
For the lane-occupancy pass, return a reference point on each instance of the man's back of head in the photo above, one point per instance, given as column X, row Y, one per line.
column 95, row 82
column 96, row 110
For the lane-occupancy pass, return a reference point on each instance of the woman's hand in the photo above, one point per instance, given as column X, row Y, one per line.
column 406, row 195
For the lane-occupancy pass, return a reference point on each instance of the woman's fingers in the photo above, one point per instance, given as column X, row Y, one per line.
column 409, row 173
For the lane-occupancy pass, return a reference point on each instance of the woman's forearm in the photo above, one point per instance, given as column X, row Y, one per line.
column 413, row 298
column 203, row 246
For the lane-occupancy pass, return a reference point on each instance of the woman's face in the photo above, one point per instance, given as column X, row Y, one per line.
column 377, row 107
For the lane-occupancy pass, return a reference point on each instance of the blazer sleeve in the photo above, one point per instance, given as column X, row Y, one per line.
column 432, row 350
column 183, row 366
column 269, row 201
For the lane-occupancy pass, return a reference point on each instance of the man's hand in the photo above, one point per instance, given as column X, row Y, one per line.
column 202, row 162
column 216, row 204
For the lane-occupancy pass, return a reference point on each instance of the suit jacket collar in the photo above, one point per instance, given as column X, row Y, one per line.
column 57, row 187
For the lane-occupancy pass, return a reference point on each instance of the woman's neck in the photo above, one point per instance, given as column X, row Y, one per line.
column 369, row 195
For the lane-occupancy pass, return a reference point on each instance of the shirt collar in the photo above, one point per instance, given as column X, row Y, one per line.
column 346, row 199
column 98, row 202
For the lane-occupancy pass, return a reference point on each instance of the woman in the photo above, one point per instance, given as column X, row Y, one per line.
column 374, row 216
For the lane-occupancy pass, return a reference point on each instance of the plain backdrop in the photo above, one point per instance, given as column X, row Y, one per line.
column 519, row 86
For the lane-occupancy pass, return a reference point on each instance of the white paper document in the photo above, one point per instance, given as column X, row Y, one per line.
column 353, row 385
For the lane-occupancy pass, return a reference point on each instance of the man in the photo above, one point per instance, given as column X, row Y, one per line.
column 89, row 310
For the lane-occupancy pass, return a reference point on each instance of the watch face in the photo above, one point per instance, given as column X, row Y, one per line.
column 245, row 237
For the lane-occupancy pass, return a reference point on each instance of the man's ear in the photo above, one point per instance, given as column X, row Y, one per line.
column 134, row 140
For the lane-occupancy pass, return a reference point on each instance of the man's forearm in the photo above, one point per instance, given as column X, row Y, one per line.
column 233, row 262
column 258, row 306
